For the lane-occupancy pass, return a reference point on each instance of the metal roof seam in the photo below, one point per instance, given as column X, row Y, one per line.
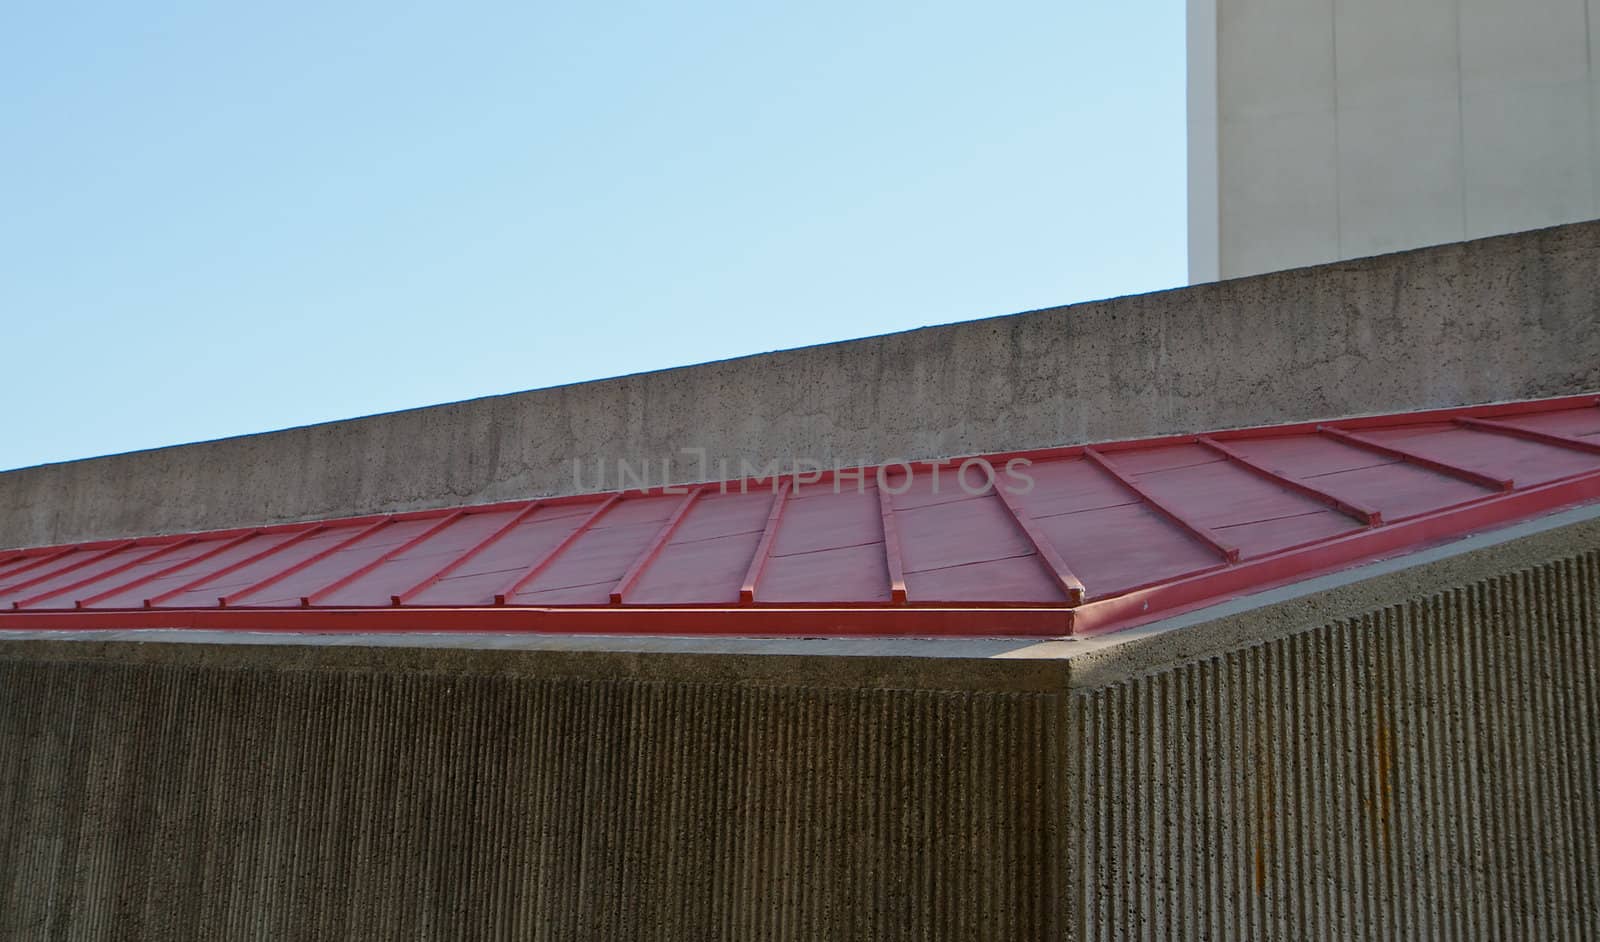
column 1071, row 586
column 1147, row 526
column 44, row 559
column 276, row 577
column 72, row 567
column 235, row 567
column 504, row 596
column 1365, row 514
column 90, row 580
column 891, row 548
column 763, row 551
column 1229, row 552
column 636, row 570
column 1533, row 435
column 162, row 573
column 1421, row 461
column 457, row 562
column 373, row 565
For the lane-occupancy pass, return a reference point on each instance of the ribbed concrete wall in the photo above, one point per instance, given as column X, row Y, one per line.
column 151, row 801
column 1506, row 318
column 1428, row 769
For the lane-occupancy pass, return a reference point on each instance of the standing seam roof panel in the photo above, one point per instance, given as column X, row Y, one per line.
column 1093, row 532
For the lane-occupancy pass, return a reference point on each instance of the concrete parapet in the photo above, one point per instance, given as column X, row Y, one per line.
column 1496, row 319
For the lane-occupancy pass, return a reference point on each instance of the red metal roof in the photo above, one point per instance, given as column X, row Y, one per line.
column 1070, row 540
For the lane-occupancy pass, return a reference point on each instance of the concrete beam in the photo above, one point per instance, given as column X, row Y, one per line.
column 1504, row 318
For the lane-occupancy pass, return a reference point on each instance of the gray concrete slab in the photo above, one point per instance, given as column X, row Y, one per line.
column 1498, row 319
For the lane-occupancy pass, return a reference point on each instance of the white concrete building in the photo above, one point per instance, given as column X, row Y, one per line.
column 1330, row 129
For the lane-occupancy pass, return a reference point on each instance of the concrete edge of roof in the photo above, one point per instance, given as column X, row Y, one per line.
column 1380, row 261
column 1001, row 664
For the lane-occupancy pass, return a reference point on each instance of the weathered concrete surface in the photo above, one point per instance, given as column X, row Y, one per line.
column 381, row 795
column 1504, row 318
column 1425, row 767
column 1427, row 770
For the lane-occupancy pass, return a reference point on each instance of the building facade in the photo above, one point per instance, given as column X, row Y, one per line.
column 1323, row 130
column 345, row 731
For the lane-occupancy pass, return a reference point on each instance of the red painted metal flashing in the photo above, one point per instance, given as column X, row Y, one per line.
column 1046, row 543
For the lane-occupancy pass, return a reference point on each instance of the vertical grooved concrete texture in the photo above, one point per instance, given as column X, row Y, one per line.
column 150, row 800
column 1504, row 318
column 1425, row 769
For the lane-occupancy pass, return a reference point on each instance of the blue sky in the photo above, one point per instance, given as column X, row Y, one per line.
column 227, row 218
